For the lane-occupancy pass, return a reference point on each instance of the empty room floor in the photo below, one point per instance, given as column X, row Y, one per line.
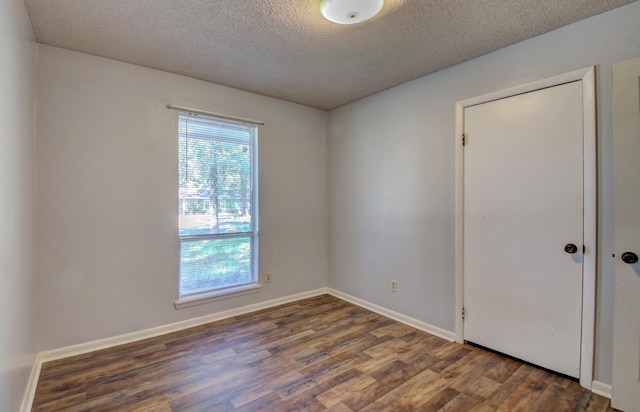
column 315, row 354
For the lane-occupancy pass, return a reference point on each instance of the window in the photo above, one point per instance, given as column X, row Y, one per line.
column 217, row 207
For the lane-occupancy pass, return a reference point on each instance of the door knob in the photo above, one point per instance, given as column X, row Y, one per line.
column 570, row 248
column 629, row 257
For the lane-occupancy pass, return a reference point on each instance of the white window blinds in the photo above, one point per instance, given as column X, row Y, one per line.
column 217, row 208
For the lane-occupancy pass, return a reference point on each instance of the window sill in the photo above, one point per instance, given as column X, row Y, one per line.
column 217, row 295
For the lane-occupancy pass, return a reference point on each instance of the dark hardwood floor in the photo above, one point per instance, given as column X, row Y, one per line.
column 312, row 355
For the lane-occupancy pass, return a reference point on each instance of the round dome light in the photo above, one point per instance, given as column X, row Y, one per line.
column 350, row 11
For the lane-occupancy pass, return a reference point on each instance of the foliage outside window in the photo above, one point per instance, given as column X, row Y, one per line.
column 217, row 207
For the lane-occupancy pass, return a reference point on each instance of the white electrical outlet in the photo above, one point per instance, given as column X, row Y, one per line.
column 394, row 285
column 267, row 277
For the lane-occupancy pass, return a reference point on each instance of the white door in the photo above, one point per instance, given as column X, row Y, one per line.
column 626, row 334
column 523, row 206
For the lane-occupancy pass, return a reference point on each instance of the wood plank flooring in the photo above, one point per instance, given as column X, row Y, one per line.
column 312, row 355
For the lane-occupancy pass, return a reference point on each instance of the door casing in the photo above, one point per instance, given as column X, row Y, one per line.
column 587, row 77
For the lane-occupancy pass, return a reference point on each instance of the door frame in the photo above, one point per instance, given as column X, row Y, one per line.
column 587, row 77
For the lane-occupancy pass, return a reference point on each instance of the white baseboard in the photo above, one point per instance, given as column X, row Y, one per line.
column 99, row 344
column 30, row 392
column 434, row 330
column 598, row 388
column 602, row 389
column 79, row 349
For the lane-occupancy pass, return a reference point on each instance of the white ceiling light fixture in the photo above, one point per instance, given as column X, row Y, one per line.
column 350, row 11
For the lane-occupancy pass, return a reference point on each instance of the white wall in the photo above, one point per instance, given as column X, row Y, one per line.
column 391, row 172
column 17, row 173
column 107, row 195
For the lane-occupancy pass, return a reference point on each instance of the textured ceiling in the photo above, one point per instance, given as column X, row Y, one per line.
column 286, row 49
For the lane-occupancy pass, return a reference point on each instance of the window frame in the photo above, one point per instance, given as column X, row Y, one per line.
column 204, row 296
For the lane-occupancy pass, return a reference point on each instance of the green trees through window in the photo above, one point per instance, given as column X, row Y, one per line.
column 217, row 225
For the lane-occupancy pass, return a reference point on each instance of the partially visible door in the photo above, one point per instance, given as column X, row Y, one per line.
column 523, row 204
column 626, row 339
